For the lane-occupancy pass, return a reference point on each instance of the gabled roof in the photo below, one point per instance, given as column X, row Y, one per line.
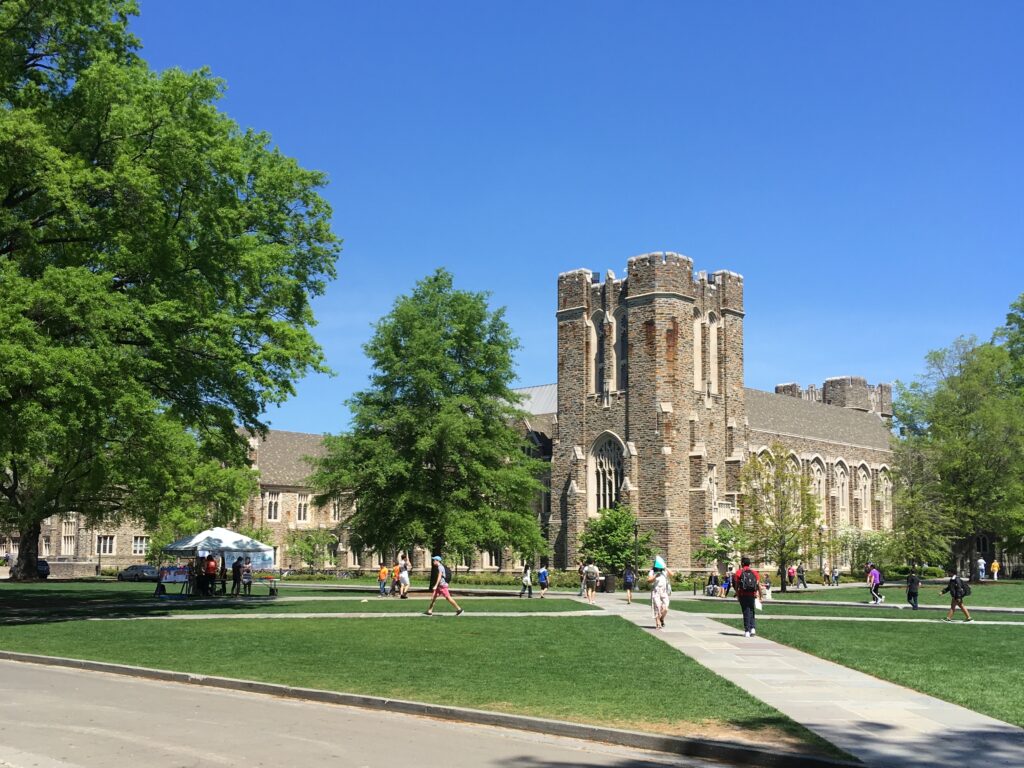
column 280, row 457
column 538, row 400
column 785, row 415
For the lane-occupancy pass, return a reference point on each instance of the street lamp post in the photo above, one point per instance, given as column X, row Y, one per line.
column 821, row 551
column 636, row 547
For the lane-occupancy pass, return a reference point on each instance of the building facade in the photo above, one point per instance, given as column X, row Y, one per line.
column 650, row 409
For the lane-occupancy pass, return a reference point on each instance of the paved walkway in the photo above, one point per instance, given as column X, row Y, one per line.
column 878, row 722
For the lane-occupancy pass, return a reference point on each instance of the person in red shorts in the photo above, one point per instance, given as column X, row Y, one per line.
column 441, row 589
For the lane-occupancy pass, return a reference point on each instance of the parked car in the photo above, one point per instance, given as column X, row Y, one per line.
column 138, row 573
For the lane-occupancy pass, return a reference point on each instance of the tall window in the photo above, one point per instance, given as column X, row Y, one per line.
column 15, row 546
column 273, row 506
column 302, row 513
column 67, row 539
column 608, row 473
column 621, row 351
column 885, row 491
column 597, row 352
column 335, row 512
column 713, row 486
column 140, row 545
column 843, row 494
column 864, row 497
column 46, row 546
column 818, row 485
column 698, row 358
column 104, row 545
column 713, row 354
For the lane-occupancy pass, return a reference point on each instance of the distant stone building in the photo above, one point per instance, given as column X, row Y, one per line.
column 650, row 410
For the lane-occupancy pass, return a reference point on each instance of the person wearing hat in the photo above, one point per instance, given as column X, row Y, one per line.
column 441, row 589
column 661, row 591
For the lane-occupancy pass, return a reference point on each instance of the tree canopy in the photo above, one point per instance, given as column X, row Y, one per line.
column 433, row 457
column 609, row 540
column 960, row 464
column 779, row 514
column 157, row 264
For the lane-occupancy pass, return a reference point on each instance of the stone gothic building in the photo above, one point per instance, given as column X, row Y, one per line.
column 650, row 409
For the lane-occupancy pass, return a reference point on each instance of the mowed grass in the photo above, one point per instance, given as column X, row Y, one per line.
column 989, row 594
column 730, row 607
column 972, row 665
column 260, row 606
column 599, row 670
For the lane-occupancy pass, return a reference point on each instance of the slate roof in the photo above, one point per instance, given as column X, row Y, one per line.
column 280, row 457
column 538, row 400
column 781, row 414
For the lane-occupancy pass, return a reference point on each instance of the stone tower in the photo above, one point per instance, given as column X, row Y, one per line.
column 650, row 402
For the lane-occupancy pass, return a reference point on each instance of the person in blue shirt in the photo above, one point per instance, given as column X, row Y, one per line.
column 542, row 578
column 726, row 582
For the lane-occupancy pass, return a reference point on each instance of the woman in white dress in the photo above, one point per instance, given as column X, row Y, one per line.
column 661, row 590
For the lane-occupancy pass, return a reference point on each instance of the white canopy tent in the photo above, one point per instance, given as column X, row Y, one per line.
column 217, row 541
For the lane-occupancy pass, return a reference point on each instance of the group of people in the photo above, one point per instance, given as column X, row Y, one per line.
column 527, row 580
column 397, row 576
column 205, row 573
column 994, row 569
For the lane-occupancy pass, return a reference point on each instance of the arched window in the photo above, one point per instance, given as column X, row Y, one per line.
column 864, row 497
column 842, row 488
column 621, row 351
column 596, row 352
column 713, row 354
column 885, row 494
column 698, row 364
column 608, row 472
column 818, row 484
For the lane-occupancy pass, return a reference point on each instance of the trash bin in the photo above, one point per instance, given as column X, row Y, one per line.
column 609, row 582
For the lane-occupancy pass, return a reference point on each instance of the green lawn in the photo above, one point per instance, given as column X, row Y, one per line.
column 973, row 665
column 601, row 670
column 729, row 606
column 990, row 594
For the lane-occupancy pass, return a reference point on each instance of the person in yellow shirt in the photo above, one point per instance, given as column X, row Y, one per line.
column 995, row 569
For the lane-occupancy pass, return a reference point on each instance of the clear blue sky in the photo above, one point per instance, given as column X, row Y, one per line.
column 860, row 164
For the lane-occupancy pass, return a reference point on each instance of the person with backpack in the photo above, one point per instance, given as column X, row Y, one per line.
column 591, row 574
column 958, row 589
column 874, row 582
column 440, row 587
column 628, row 582
column 659, row 578
column 748, row 589
column 527, row 582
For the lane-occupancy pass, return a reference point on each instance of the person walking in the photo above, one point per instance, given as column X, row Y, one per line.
column 748, row 588
column 981, row 568
column 913, row 585
column 661, row 591
column 527, row 581
column 835, row 575
column 995, row 569
column 957, row 590
column 801, row 576
column 542, row 579
column 579, row 570
column 628, row 582
column 440, row 588
column 874, row 582
column 791, row 573
column 403, row 576
column 591, row 573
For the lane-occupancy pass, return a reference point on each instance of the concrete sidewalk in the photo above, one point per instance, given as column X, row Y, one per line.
column 880, row 723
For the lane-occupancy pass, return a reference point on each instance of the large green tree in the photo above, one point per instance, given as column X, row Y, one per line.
column 156, row 269
column 963, row 458
column 613, row 538
column 779, row 514
column 433, row 457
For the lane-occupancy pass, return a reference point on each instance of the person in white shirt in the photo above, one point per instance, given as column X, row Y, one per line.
column 981, row 568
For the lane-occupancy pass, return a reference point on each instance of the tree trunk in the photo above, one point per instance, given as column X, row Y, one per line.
column 28, row 554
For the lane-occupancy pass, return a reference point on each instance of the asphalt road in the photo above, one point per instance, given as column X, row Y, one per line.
column 61, row 718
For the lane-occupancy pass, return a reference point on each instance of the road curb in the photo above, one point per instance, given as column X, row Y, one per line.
column 677, row 745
